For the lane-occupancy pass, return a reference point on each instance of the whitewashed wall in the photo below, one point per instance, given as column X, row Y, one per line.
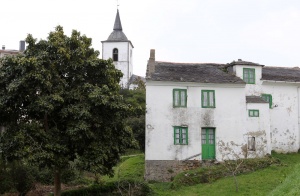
column 251, row 89
column 259, row 127
column 284, row 115
column 229, row 118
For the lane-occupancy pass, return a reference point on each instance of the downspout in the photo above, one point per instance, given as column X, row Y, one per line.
column 298, row 114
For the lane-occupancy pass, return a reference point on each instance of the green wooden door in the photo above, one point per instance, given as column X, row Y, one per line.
column 208, row 143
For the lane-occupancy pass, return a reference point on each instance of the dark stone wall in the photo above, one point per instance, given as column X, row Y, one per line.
column 165, row 170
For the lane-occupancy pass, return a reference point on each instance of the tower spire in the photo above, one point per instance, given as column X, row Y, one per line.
column 118, row 25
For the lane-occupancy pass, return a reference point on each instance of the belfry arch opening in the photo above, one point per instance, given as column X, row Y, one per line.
column 115, row 54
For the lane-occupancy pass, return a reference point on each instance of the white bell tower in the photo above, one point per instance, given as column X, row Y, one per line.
column 119, row 48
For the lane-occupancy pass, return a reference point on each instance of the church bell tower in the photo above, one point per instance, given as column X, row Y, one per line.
column 119, row 48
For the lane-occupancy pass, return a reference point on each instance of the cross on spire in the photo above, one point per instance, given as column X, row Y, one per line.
column 118, row 4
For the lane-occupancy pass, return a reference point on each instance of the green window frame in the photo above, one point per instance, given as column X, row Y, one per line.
column 180, row 135
column 179, row 98
column 208, row 99
column 253, row 113
column 249, row 75
column 267, row 98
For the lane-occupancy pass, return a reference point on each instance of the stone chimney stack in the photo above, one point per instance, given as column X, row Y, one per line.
column 22, row 46
column 151, row 63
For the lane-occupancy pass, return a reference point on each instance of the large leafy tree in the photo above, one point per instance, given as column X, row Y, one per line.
column 59, row 102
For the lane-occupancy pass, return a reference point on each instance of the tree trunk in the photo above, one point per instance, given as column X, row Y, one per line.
column 236, row 183
column 57, row 184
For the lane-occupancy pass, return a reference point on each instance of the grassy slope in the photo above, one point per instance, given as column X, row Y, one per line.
column 261, row 182
column 274, row 180
column 131, row 168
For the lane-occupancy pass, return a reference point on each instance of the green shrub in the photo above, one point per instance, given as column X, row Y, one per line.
column 23, row 178
column 68, row 176
column 6, row 181
column 126, row 187
column 16, row 176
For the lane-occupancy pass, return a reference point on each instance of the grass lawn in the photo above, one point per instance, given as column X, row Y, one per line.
column 274, row 180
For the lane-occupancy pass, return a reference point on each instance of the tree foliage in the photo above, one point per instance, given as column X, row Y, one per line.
column 59, row 102
column 137, row 99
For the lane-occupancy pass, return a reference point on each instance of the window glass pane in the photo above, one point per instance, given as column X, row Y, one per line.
column 182, row 98
column 205, row 99
column 246, row 75
column 211, row 98
column 211, row 136
column 203, row 136
column 250, row 113
column 256, row 113
column 251, row 74
column 176, row 98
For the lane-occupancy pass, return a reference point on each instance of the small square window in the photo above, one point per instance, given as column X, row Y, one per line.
column 249, row 75
column 208, row 99
column 179, row 98
column 251, row 143
column 180, row 135
column 253, row 113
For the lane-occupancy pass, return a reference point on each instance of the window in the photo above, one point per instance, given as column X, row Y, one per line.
column 249, row 75
column 179, row 98
column 267, row 98
column 180, row 135
column 251, row 143
column 253, row 113
column 115, row 54
column 208, row 98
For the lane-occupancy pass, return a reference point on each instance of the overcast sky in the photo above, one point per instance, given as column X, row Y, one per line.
column 215, row 31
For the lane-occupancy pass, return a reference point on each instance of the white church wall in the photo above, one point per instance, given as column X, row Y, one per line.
column 124, row 62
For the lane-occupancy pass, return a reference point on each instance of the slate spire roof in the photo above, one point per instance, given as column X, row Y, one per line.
column 118, row 25
column 117, row 34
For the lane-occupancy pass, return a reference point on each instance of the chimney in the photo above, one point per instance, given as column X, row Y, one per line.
column 3, row 47
column 151, row 63
column 22, row 46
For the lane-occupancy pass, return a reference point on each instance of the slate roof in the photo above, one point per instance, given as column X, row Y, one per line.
column 117, row 34
column 193, row 72
column 241, row 62
column 254, row 99
column 281, row 74
column 134, row 77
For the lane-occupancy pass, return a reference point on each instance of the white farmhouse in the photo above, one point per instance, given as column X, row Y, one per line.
column 206, row 111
